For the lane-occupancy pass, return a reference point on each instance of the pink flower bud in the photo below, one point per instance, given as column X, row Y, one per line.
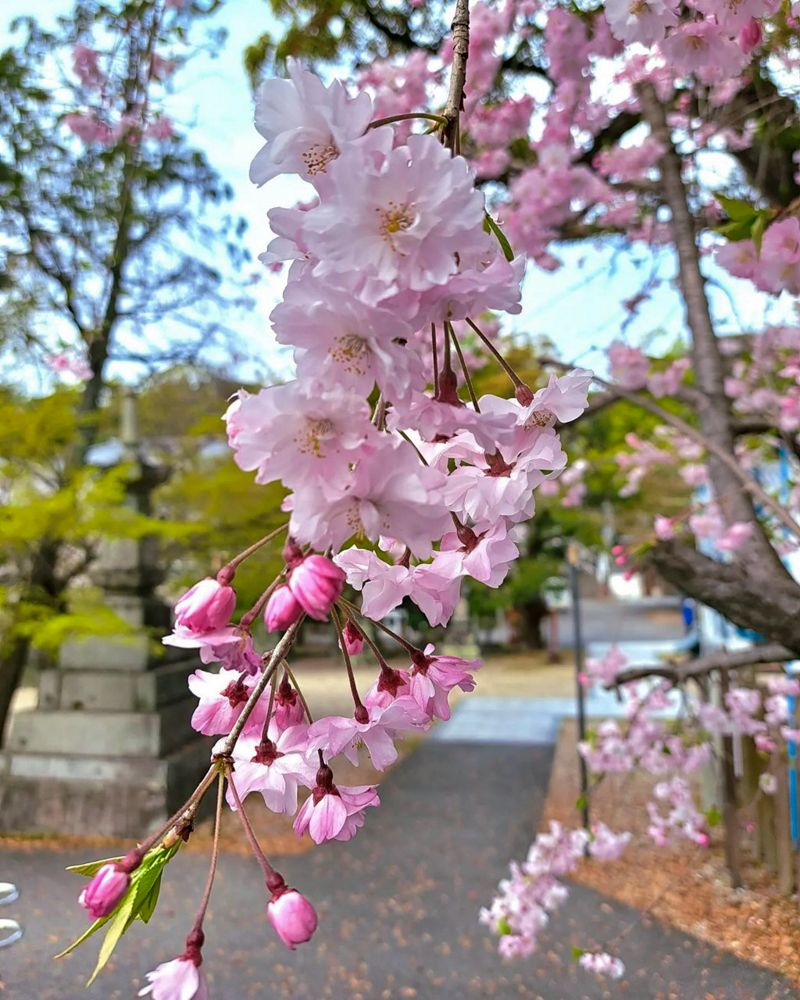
column 750, row 36
column 207, row 606
column 293, row 917
column 617, row 550
column 282, row 610
column 524, row 395
column 353, row 638
column 317, row 583
column 102, row 895
column 620, row 560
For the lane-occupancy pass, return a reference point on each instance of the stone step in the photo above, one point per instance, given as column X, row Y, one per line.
column 109, row 734
column 115, row 690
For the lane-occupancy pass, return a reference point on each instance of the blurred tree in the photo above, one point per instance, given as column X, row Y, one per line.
column 99, row 197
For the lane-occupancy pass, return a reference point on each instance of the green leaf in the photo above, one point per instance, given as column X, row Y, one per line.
column 148, row 907
column 713, row 817
column 759, row 227
column 581, row 802
column 139, row 901
column 491, row 227
column 122, row 919
column 737, row 208
column 91, row 867
column 576, row 953
column 503, row 926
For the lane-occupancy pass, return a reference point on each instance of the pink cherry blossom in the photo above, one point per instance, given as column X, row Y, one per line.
column 332, row 813
column 380, row 727
column 603, row 964
column 298, row 431
column 85, row 63
column 272, row 767
column 180, row 979
column 388, row 493
column 402, row 220
column 434, row 677
column 105, row 891
column 282, row 609
column 222, row 696
column 484, row 553
column 645, row 21
column 306, row 125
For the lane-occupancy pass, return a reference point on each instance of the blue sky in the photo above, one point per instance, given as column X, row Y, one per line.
column 578, row 307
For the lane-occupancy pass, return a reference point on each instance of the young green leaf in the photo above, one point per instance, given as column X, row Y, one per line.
column 91, row 867
column 491, row 227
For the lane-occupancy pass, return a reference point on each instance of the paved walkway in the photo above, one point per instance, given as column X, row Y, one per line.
column 398, row 910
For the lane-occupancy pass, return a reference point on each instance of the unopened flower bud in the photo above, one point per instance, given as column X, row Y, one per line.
column 524, row 394
column 317, row 584
column 353, row 638
column 205, row 607
column 103, row 894
column 282, row 610
column 750, row 36
column 293, row 917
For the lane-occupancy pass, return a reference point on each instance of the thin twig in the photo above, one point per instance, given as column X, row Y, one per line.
column 516, row 380
column 299, row 691
column 212, row 869
column 227, row 571
column 346, row 657
column 470, row 387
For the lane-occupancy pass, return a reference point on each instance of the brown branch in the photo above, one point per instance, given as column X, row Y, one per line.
column 770, row 653
column 458, row 76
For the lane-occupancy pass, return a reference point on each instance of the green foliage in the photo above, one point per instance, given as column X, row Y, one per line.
column 138, row 903
column 746, row 221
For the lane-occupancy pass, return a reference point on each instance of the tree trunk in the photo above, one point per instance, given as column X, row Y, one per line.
column 532, row 614
column 11, row 670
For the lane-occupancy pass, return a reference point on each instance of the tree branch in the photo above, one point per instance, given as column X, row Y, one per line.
column 770, row 653
column 732, row 589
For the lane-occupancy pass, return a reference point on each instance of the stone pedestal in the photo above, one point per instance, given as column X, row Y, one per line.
column 109, row 750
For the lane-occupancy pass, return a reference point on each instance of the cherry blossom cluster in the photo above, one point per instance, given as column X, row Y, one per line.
column 396, row 486
column 649, row 741
column 535, row 890
column 106, row 117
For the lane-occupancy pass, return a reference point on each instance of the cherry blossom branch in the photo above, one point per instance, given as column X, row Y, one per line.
column 278, row 653
column 770, row 653
column 384, row 628
column 701, row 438
column 458, row 77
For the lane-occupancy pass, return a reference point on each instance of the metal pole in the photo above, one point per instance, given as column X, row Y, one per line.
column 575, row 587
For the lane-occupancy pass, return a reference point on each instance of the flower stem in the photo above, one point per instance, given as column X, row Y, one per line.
column 517, row 381
column 390, row 119
column 261, row 858
column 470, row 387
column 227, row 573
column 268, row 718
column 346, row 656
column 435, row 353
column 300, row 694
column 212, row 870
